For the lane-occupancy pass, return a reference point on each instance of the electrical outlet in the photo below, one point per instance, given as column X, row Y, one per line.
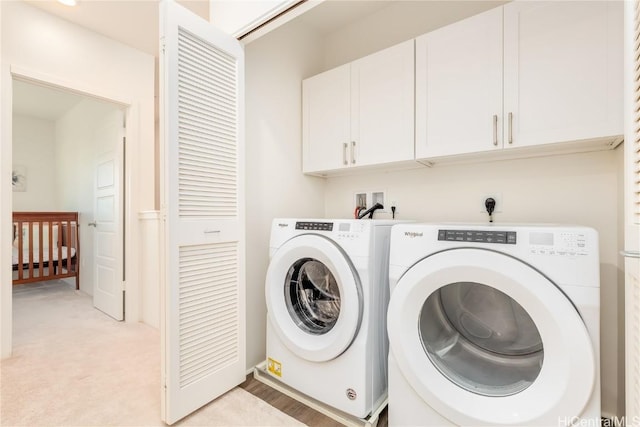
column 495, row 196
column 377, row 197
column 360, row 200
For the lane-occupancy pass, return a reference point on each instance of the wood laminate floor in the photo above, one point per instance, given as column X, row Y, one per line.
column 293, row 408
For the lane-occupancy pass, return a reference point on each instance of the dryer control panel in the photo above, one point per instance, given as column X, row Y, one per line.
column 478, row 236
column 559, row 243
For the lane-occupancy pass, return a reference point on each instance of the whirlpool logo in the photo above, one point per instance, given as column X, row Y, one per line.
column 280, row 224
column 413, row 234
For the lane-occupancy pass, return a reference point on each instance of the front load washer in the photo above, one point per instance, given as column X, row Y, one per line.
column 327, row 291
column 494, row 325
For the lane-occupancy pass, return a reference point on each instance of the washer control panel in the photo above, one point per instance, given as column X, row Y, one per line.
column 479, row 236
column 315, row 226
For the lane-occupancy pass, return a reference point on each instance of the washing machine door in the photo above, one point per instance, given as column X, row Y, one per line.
column 314, row 297
column 486, row 339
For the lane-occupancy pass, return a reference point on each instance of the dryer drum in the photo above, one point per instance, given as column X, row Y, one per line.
column 312, row 296
column 481, row 339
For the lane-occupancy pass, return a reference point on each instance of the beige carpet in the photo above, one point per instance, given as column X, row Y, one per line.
column 74, row 366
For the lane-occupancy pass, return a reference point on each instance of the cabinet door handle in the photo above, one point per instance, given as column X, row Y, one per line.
column 510, row 128
column 353, row 152
column 495, row 129
column 630, row 254
column 344, row 154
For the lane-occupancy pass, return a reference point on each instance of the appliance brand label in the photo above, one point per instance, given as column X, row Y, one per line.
column 413, row 234
column 274, row 367
column 281, row 224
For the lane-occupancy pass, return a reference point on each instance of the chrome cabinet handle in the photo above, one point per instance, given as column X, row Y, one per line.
column 495, row 129
column 630, row 254
column 344, row 154
column 93, row 224
column 353, row 152
column 211, row 231
column 510, row 128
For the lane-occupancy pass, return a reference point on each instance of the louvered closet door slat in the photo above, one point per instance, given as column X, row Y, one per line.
column 209, row 111
column 202, row 96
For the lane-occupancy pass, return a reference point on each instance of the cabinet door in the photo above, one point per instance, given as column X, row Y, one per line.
column 563, row 71
column 382, row 106
column 325, row 120
column 459, row 87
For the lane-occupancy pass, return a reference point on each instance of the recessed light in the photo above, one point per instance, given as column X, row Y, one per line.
column 68, row 2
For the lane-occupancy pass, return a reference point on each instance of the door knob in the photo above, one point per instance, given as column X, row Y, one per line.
column 93, row 224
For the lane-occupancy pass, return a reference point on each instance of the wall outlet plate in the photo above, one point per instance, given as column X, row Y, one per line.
column 377, row 197
column 360, row 200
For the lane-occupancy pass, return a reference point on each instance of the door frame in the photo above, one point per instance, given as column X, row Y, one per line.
column 8, row 73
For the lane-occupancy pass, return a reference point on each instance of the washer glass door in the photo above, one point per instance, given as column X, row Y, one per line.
column 312, row 296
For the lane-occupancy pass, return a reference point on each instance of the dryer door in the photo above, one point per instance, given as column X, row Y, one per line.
column 485, row 339
column 314, row 297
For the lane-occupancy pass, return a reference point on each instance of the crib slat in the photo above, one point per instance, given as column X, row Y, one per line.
column 27, row 269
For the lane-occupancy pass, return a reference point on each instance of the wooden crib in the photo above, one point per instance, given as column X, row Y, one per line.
column 46, row 246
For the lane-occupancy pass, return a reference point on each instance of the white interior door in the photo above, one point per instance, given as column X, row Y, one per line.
column 203, row 317
column 108, row 250
column 632, row 210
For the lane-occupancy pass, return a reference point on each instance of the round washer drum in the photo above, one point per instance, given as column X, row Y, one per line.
column 314, row 297
column 484, row 338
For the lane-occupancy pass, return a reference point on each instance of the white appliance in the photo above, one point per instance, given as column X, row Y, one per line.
column 494, row 325
column 327, row 291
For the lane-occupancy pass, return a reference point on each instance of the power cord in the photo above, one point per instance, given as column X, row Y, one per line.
column 393, row 212
column 490, row 205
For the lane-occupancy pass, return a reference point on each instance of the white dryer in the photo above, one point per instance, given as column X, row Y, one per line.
column 327, row 291
column 494, row 325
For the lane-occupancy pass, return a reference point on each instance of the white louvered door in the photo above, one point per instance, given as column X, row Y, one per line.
column 632, row 212
column 201, row 99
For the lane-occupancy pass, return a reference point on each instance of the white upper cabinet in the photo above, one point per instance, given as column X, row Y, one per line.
column 562, row 71
column 360, row 114
column 382, row 106
column 459, row 87
column 525, row 74
column 326, row 111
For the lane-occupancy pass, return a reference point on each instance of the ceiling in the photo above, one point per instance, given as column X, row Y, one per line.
column 42, row 102
column 132, row 22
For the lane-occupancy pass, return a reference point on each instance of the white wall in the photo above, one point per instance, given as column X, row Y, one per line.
column 43, row 47
column 34, row 148
column 275, row 186
column 571, row 189
column 76, row 153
